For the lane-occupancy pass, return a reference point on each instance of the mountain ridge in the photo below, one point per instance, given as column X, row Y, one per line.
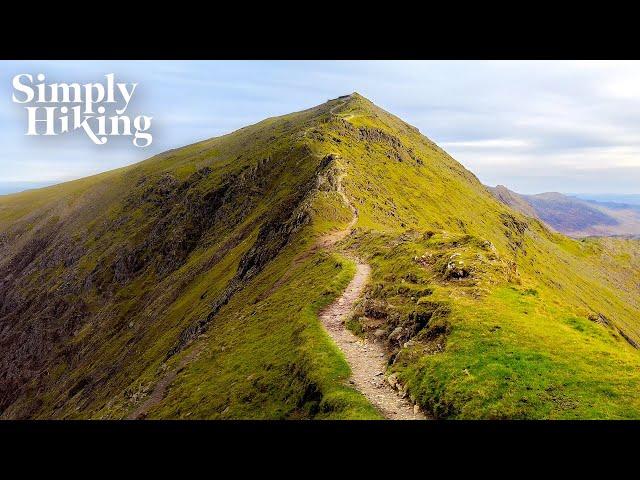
column 205, row 261
column 573, row 216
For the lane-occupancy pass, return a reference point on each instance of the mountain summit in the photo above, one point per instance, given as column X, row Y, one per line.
column 192, row 285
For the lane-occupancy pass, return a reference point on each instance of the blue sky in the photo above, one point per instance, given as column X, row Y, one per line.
column 533, row 126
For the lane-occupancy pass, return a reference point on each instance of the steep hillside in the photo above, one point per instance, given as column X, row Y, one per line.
column 514, row 200
column 189, row 285
column 573, row 216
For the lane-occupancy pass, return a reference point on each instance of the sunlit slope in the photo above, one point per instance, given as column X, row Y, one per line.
column 106, row 280
column 199, row 268
column 527, row 323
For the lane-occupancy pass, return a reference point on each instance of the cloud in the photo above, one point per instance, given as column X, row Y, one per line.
column 491, row 143
column 543, row 125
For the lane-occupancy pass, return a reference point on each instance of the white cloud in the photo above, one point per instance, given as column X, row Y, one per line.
column 543, row 125
column 491, row 143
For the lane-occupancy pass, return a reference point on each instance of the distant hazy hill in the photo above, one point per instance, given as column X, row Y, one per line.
column 189, row 285
column 574, row 216
column 13, row 187
column 613, row 198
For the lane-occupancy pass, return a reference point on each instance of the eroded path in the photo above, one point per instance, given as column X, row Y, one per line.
column 366, row 359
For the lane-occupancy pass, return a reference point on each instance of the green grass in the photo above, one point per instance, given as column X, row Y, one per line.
column 506, row 319
column 271, row 358
column 515, row 357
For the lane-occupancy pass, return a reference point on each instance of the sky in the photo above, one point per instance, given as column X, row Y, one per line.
column 534, row 126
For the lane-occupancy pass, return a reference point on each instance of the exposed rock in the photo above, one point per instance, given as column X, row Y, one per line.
column 395, row 334
column 379, row 333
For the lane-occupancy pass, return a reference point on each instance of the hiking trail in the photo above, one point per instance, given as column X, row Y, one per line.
column 367, row 359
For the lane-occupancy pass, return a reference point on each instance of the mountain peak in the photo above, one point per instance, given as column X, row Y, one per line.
column 356, row 105
column 353, row 95
column 354, row 98
column 191, row 285
column 357, row 96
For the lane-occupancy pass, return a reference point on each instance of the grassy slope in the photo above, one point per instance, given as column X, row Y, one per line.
column 520, row 342
column 510, row 338
column 111, row 361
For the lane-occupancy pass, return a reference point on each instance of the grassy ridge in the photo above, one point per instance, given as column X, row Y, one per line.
column 209, row 249
column 272, row 359
column 521, row 336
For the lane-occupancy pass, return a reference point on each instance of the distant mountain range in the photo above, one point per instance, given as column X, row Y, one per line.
column 577, row 216
column 625, row 199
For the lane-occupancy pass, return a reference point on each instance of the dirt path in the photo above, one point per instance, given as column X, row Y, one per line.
column 366, row 359
column 325, row 242
column 332, row 111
